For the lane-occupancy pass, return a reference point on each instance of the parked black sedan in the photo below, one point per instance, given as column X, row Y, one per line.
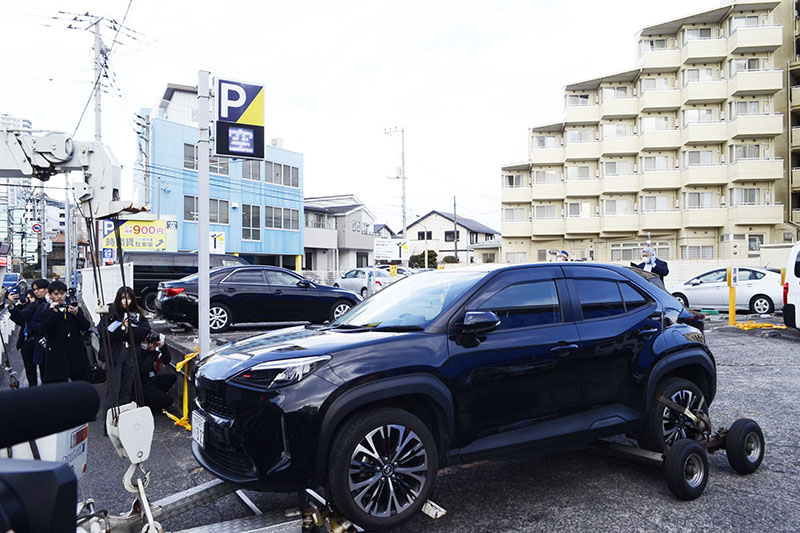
column 241, row 294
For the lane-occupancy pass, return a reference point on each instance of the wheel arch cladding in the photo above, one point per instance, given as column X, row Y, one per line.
column 694, row 365
column 424, row 396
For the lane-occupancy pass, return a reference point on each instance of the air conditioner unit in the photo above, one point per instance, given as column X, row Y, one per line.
column 722, row 200
column 677, row 204
column 234, row 205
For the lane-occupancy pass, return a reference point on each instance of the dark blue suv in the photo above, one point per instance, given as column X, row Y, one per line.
column 450, row 366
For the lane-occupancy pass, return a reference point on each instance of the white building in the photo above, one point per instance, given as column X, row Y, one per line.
column 435, row 231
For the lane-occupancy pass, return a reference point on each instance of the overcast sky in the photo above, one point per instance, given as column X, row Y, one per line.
column 464, row 78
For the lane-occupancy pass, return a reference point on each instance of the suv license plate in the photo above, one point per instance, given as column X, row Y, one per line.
column 199, row 428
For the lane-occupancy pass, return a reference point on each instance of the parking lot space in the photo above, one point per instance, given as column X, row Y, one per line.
column 758, row 377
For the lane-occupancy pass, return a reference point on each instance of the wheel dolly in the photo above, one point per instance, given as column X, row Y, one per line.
column 685, row 463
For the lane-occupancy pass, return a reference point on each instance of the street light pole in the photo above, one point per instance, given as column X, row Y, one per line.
column 402, row 132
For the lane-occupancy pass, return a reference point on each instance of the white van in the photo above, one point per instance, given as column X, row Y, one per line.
column 791, row 289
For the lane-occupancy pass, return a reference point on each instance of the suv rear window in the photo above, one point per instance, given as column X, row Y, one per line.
column 599, row 298
column 525, row 304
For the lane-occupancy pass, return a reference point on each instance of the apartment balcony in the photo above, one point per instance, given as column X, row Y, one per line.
column 704, row 51
column 752, row 82
column 665, row 100
column 712, row 217
column 660, row 220
column 796, row 97
column 582, row 225
column 796, row 179
column 548, row 191
column 704, row 92
column 660, row 140
column 796, row 216
column 548, row 156
column 660, row 180
column 620, row 184
column 619, row 107
column 751, row 215
column 516, row 194
column 590, row 187
column 755, row 39
column 704, row 175
column 582, row 151
column 748, row 126
column 660, row 60
column 582, row 114
column 515, row 229
column 324, row 238
column 796, row 138
column 705, row 133
column 627, row 223
column 756, row 170
column 619, row 145
column 547, row 227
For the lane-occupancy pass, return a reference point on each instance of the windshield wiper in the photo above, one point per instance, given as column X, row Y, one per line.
column 398, row 328
column 347, row 327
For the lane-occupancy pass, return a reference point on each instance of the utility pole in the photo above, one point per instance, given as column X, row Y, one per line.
column 402, row 132
column 203, row 211
column 99, row 51
column 67, row 234
column 455, row 229
column 43, row 207
column 146, row 158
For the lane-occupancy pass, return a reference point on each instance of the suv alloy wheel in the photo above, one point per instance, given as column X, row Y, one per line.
column 664, row 427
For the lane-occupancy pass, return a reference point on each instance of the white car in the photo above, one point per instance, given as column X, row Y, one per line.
column 356, row 280
column 759, row 290
column 791, row 289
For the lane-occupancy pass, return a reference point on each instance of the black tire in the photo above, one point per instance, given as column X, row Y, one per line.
column 338, row 309
column 682, row 299
column 149, row 302
column 364, row 292
column 657, row 431
column 744, row 446
column 686, row 469
column 220, row 317
column 761, row 304
column 386, row 428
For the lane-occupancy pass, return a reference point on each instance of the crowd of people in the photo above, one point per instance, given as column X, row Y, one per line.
column 54, row 340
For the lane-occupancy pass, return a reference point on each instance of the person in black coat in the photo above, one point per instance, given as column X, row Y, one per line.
column 125, row 316
column 653, row 264
column 61, row 326
column 153, row 357
column 21, row 314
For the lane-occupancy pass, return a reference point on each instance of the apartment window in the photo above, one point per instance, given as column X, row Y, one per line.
column 448, row 236
column 697, row 252
column 545, row 141
column 487, row 258
column 752, row 107
column 620, row 129
column 510, row 214
column 653, row 204
column 699, row 158
column 291, row 219
column 423, row 235
column 273, row 217
column 655, row 162
column 219, row 165
column 697, row 74
column 511, row 181
column 695, row 34
column 748, row 151
column 516, row 257
column 190, row 156
column 748, row 21
column 218, row 211
column 251, row 218
column 580, row 136
column 631, row 251
column 578, row 209
column 698, row 200
column 578, row 173
column 745, row 196
column 313, row 220
column 743, row 65
column 269, row 171
column 473, row 237
column 277, row 173
column 544, row 212
column 545, row 176
column 190, row 208
column 615, row 168
column 611, row 93
column 653, row 44
column 251, row 170
column 362, row 259
column 754, row 243
column 654, row 123
column 655, row 84
column 577, row 99
column 295, row 177
column 693, row 116
column 616, row 207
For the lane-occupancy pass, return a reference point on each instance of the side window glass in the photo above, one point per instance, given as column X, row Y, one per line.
column 350, row 274
column 599, row 298
column 281, row 278
column 756, row 275
column 246, row 276
column 714, row 276
column 525, row 304
column 633, row 299
column 360, row 274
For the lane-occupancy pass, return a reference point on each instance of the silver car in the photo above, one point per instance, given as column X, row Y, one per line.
column 759, row 290
column 356, row 280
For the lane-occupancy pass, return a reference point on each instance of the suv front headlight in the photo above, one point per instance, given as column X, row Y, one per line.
column 274, row 374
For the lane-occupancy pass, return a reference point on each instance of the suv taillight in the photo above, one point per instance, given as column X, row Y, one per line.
column 786, row 293
column 172, row 291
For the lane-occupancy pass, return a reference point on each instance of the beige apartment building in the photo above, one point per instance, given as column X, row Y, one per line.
column 689, row 151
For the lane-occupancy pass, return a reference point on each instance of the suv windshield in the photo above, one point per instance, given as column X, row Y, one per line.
column 412, row 302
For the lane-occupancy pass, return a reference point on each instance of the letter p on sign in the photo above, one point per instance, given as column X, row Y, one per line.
column 231, row 95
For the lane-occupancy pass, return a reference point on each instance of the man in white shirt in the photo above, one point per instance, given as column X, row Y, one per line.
column 653, row 264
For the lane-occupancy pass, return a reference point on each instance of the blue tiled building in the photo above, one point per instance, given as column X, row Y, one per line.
column 257, row 204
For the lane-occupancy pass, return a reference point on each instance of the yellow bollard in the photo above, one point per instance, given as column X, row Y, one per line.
column 184, row 420
column 731, row 298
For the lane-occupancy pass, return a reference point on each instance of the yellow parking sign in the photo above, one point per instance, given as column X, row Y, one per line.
column 393, row 270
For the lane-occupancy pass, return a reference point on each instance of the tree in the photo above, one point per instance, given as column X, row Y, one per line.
column 418, row 260
column 449, row 259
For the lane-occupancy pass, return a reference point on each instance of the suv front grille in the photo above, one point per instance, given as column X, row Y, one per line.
column 214, row 403
column 234, row 461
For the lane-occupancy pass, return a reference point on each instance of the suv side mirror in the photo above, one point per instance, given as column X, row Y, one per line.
column 304, row 283
column 480, row 321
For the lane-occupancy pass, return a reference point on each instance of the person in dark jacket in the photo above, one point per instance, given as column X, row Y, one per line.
column 22, row 315
column 653, row 264
column 61, row 326
column 124, row 317
column 153, row 357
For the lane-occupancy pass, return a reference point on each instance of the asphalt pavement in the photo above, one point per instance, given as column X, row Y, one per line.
column 758, row 377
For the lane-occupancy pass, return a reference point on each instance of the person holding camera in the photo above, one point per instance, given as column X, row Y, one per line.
column 22, row 314
column 60, row 331
column 153, row 356
column 124, row 317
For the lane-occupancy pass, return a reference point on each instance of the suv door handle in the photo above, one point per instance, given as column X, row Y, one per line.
column 564, row 350
column 230, row 289
column 278, row 291
column 646, row 333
